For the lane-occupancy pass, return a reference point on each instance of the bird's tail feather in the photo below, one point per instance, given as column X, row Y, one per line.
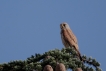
column 79, row 55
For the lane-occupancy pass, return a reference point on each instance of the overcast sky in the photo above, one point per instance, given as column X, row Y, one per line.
column 33, row 26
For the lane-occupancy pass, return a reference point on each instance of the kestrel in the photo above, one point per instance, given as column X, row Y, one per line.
column 68, row 38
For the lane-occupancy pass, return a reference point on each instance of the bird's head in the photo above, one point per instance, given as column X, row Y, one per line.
column 64, row 25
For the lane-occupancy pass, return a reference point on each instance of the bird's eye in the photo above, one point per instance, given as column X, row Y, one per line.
column 64, row 25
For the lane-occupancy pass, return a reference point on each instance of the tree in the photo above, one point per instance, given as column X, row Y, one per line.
column 53, row 60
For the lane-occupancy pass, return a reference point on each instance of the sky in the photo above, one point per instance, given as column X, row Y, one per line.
column 33, row 26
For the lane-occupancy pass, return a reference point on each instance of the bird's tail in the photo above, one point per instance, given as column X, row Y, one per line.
column 79, row 55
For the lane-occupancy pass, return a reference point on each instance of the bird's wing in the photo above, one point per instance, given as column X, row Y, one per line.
column 70, row 41
column 72, row 36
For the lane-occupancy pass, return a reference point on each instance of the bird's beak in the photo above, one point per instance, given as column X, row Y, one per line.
column 61, row 26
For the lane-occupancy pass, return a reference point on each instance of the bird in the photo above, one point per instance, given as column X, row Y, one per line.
column 68, row 38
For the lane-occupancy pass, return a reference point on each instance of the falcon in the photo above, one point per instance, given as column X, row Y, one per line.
column 68, row 38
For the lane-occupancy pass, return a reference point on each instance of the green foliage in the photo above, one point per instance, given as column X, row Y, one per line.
column 67, row 56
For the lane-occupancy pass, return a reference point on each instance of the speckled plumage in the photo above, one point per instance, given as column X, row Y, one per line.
column 68, row 38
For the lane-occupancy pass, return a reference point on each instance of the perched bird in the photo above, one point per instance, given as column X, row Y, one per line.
column 68, row 38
